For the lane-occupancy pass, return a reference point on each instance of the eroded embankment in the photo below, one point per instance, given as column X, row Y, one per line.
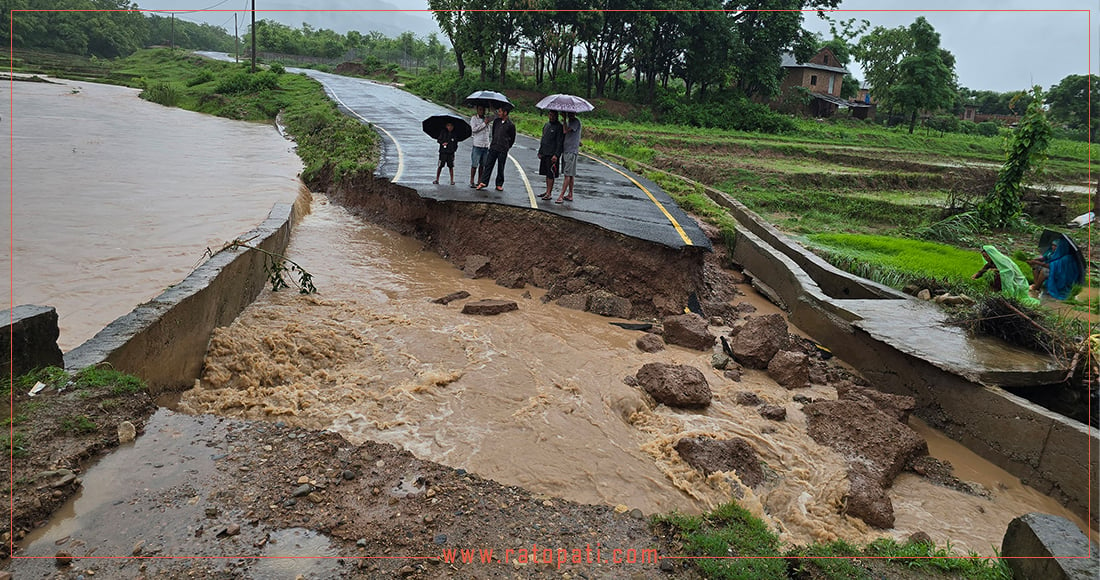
column 564, row 256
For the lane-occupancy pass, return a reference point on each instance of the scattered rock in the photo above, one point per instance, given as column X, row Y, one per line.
column 897, row 406
column 303, row 490
column 773, row 412
column 757, row 340
column 920, row 538
column 747, row 398
column 512, row 280
column 476, row 266
column 1035, row 546
column 574, row 301
column 347, row 474
column 716, row 321
column 802, row 399
column 650, row 342
column 630, row 381
column 688, row 330
column 62, row 559
column 460, row 295
column 790, row 369
column 675, row 385
column 138, row 547
column 711, row 455
column 489, row 307
column 720, row 360
column 733, row 374
column 924, row 294
column 608, row 304
column 126, row 432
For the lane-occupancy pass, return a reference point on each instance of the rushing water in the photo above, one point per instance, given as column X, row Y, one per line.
column 536, row 397
column 115, row 198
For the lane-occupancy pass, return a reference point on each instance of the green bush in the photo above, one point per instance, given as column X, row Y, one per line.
column 243, row 82
column 736, row 113
column 204, row 76
column 968, row 127
column 161, row 93
column 277, row 69
column 988, row 129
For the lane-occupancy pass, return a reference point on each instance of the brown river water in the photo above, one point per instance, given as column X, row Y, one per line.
column 533, row 398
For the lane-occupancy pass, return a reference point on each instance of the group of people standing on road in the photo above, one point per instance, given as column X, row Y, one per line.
column 493, row 139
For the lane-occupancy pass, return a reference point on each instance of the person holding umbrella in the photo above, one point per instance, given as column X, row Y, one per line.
column 502, row 139
column 570, row 105
column 447, row 130
column 550, row 148
column 448, row 144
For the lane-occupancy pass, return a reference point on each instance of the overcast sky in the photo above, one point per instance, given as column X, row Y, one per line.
column 1018, row 44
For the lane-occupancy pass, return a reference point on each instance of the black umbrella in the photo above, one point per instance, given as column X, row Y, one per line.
column 1049, row 236
column 489, row 99
column 435, row 124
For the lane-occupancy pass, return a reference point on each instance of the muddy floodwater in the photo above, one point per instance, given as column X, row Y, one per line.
column 115, row 198
column 536, row 397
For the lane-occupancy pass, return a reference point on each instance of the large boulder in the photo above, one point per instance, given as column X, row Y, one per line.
column 688, row 330
column 675, row 385
column 607, row 304
column 897, row 406
column 650, row 342
column 476, row 266
column 710, row 455
column 790, row 369
column 1048, row 547
column 876, row 445
column 755, row 342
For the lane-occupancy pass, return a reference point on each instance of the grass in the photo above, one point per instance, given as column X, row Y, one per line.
column 78, row 425
column 729, row 543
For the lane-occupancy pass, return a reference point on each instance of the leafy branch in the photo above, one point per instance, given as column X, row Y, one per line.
column 277, row 267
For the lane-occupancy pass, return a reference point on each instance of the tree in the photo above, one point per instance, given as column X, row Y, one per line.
column 880, row 51
column 926, row 76
column 1026, row 151
column 1069, row 103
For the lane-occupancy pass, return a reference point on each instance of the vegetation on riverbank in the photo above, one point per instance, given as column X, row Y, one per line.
column 728, row 543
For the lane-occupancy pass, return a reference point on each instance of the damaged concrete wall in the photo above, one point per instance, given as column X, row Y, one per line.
column 164, row 340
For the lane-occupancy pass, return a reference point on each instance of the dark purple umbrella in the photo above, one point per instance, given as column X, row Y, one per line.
column 435, row 124
column 564, row 104
column 489, row 99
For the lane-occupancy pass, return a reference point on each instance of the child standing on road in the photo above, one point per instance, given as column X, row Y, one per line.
column 448, row 144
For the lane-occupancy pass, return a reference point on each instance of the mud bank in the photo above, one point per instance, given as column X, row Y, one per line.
column 558, row 254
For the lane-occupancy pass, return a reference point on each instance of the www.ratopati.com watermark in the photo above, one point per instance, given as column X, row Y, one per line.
column 557, row 557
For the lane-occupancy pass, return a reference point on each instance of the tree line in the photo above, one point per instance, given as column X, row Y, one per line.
column 101, row 28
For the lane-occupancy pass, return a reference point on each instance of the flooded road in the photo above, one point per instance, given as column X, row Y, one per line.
column 115, row 198
column 536, row 397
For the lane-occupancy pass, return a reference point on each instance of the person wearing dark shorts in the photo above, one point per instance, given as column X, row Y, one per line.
column 448, row 144
column 550, row 148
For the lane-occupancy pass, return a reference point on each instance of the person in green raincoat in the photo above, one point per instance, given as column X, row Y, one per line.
column 1007, row 278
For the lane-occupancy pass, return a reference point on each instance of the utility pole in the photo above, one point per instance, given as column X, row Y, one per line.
column 172, row 36
column 236, row 40
column 253, row 35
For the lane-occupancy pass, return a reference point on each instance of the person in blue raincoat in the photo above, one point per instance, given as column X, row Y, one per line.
column 1057, row 270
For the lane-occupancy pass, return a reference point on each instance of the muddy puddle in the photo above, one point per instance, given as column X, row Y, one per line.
column 536, row 398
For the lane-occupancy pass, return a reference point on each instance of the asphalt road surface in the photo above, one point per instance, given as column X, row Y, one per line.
column 605, row 194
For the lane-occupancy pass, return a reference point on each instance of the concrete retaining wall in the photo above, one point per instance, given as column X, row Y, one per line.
column 1044, row 449
column 30, row 336
column 164, row 341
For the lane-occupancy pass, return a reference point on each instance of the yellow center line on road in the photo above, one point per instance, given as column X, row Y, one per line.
column 400, row 153
column 526, row 182
column 675, row 224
